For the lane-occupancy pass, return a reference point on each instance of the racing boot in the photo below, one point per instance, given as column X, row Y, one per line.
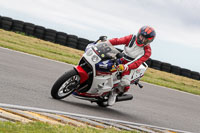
column 118, row 91
column 112, row 97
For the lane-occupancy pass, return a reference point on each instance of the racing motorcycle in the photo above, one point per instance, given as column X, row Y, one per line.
column 85, row 82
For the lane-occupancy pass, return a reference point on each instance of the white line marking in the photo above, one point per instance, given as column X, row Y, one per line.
column 34, row 56
column 171, row 89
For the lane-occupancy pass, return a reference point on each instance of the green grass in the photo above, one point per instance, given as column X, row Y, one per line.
column 39, row 47
column 35, row 46
column 41, row 127
column 172, row 81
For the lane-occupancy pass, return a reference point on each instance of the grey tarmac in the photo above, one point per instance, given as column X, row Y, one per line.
column 26, row 80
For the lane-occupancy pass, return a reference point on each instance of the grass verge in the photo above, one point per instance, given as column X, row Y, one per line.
column 54, row 51
column 41, row 127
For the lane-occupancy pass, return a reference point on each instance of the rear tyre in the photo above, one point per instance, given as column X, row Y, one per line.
column 102, row 104
column 65, row 85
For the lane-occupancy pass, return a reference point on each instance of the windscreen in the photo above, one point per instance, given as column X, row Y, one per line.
column 105, row 51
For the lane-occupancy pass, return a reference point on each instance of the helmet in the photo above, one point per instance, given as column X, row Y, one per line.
column 145, row 36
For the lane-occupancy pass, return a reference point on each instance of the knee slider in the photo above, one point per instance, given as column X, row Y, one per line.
column 125, row 82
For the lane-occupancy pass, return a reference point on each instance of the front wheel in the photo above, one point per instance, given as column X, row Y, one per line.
column 65, row 85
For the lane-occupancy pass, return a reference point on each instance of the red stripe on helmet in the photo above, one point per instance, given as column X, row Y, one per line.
column 146, row 29
column 150, row 38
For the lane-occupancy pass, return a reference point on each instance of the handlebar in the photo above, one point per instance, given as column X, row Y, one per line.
column 101, row 38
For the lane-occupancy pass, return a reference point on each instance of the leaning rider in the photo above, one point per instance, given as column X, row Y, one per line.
column 136, row 51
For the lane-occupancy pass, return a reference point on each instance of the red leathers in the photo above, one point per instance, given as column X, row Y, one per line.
column 136, row 51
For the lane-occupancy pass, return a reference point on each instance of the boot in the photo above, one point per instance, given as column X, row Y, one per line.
column 112, row 97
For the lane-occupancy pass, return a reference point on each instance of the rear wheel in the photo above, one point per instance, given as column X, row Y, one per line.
column 65, row 85
column 102, row 104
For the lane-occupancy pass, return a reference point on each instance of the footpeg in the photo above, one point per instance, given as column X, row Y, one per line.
column 141, row 86
column 137, row 83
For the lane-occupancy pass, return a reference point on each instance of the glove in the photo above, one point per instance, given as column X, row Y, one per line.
column 103, row 38
column 122, row 67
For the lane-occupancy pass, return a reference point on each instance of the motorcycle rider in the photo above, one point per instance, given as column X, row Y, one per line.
column 136, row 51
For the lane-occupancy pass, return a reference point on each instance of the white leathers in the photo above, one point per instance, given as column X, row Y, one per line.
column 135, row 51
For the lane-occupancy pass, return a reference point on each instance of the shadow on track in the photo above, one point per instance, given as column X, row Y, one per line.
column 95, row 108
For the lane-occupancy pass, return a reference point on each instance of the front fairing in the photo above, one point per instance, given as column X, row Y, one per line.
column 94, row 54
column 99, row 52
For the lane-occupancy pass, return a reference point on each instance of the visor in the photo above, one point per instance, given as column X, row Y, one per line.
column 142, row 40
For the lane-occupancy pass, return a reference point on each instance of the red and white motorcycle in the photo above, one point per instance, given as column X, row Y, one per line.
column 85, row 82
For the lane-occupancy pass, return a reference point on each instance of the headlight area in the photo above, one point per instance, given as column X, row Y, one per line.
column 89, row 52
column 95, row 58
column 91, row 56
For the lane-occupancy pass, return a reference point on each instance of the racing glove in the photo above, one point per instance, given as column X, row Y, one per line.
column 122, row 67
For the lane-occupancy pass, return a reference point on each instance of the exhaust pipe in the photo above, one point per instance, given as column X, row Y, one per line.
column 124, row 97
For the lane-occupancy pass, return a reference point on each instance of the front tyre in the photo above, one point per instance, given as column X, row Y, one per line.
column 65, row 85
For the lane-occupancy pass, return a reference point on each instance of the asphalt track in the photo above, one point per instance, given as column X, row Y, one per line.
column 26, row 80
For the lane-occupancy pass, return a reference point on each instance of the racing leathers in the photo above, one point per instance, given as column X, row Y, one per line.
column 134, row 55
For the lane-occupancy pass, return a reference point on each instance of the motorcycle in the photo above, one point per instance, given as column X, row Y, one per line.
column 85, row 82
